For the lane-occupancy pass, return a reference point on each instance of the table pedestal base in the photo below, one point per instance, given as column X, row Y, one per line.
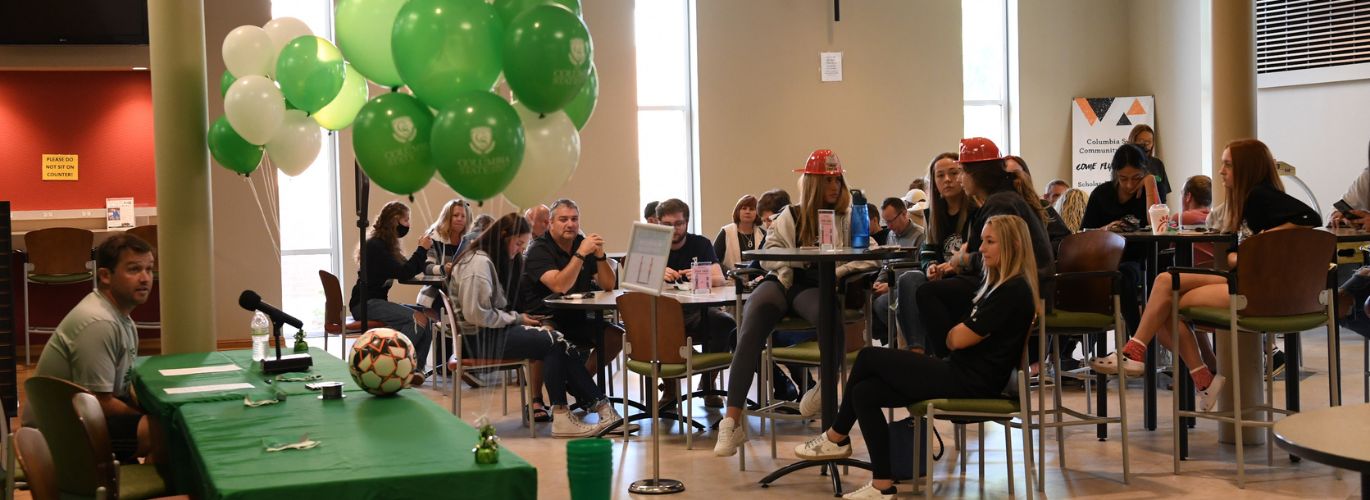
column 1253, row 377
column 830, row 468
column 656, row 486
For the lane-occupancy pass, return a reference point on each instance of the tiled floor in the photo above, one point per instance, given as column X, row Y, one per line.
column 1093, row 468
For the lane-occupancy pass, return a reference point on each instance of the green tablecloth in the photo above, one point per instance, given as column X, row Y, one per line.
column 400, row 447
column 370, row 447
column 151, row 385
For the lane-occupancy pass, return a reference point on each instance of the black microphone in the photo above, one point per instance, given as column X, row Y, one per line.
column 251, row 301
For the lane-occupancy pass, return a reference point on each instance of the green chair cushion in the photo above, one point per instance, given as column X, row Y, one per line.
column 58, row 279
column 140, row 481
column 702, row 362
column 986, row 405
column 792, row 322
column 1217, row 317
column 804, row 352
column 1068, row 319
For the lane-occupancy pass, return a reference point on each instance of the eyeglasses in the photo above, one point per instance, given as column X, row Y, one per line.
column 679, row 223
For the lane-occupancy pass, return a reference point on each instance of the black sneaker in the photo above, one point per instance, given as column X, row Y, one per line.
column 1277, row 360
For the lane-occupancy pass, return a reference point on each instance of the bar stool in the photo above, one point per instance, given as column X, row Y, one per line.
column 54, row 256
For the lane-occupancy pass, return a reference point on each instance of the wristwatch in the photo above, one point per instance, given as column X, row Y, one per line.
column 579, row 256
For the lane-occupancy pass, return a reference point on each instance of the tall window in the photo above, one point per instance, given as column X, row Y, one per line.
column 985, row 70
column 665, row 105
column 309, row 225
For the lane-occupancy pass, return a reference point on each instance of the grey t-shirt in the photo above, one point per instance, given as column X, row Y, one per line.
column 94, row 346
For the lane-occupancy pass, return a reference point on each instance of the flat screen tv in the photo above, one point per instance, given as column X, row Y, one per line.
column 73, row 22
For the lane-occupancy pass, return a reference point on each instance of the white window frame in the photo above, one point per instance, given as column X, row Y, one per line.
column 1007, row 104
column 688, row 112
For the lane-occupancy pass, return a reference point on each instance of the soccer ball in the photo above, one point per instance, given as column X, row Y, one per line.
column 382, row 361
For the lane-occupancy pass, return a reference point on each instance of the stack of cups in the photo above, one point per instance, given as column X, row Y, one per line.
column 590, row 468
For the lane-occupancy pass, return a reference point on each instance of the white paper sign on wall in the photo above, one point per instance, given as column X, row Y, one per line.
column 830, row 66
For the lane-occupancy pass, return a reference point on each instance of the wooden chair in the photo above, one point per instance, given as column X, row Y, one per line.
column 78, row 439
column 461, row 363
column 674, row 352
column 55, row 256
column 1280, row 286
column 1083, row 298
column 335, row 318
column 34, row 456
column 149, row 318
column 130, row 481
column 961, row 412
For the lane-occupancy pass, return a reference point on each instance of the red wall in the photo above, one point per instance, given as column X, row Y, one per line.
column 103, row 116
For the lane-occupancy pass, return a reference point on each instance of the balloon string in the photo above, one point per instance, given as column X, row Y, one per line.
column 265, row 223
column 273, row 193
column 275, row 219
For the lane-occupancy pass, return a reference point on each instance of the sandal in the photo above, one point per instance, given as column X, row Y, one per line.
column 540, row 413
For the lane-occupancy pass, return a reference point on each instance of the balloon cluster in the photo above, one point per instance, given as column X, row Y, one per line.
column 450, row 54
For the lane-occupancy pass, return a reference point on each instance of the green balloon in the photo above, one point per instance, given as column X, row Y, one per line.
column 363, row 28
column 443, row 48
column 547, row 56
column 478, row 144
column 391, row 137
column 225, row 82
column 583, row 105
column 338, row 114
column 510, row 9
column 231, row 150
column 310, row 71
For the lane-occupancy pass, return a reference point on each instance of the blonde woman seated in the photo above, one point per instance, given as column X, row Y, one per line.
column 984, row 350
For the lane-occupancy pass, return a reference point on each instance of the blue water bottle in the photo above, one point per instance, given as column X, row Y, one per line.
column 860, row 221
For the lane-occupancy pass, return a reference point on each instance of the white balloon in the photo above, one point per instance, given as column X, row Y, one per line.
column 282, row 30
column 254, row 107
column 247, row 51
column 296, row 144
column 550, row 156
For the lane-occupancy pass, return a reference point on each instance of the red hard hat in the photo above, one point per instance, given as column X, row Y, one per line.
column 822, row 162
column 979, row 149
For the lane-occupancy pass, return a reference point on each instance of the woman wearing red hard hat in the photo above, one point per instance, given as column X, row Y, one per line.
column 789, row 286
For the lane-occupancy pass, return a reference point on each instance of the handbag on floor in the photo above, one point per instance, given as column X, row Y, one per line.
column 901, row 449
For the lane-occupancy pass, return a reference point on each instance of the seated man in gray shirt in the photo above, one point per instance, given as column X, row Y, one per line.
column 904, row 232
column 95, row 344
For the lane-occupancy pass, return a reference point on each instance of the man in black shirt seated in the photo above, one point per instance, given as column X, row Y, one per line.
column 709, row 326
column 565, row 261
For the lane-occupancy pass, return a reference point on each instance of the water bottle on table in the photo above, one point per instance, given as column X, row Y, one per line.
column 261, row 333
column 860, row 221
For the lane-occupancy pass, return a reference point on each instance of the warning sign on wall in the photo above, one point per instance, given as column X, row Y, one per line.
column 60, row 168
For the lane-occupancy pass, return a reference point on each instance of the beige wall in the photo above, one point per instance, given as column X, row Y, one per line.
column 762, row 108
column 1166, row 63
column 1318, row 129
column 244, row 257
column 1066, row 49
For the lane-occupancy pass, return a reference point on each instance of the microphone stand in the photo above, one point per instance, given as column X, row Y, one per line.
column 289, row 363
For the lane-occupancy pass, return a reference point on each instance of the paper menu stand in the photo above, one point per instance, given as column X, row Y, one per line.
column 119, row 213
column 644, row 268
column 700, row 277
column 827, row 230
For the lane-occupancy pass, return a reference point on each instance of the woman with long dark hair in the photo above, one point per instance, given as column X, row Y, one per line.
column 385, row 262
column 482, row 287
column 946, row 299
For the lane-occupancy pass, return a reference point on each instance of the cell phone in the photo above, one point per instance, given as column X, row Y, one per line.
column 1345, row 209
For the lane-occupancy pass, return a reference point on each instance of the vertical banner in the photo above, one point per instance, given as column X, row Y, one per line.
column 1098, row 125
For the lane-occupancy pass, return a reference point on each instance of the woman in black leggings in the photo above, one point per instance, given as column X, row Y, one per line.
column 984, row 349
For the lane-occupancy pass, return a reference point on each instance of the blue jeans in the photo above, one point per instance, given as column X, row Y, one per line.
column 401, row 318
column 562, row 369
column 906, row 311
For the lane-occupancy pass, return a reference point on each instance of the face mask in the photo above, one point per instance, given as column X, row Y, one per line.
column 401, row 230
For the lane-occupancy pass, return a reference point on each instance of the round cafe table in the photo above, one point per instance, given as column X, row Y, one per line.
column 830, row 340
column 1334, row 436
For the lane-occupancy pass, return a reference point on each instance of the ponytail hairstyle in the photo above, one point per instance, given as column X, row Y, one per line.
column 1016, row 257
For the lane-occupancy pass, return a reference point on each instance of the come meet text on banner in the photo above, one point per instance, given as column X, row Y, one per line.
column 1098, row 126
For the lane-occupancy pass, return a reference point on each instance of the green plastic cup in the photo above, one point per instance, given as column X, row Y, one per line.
column 590, row 468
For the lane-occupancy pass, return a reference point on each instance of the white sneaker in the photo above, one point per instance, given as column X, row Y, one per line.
column 607, row 417
column 1108, row 365
column 731, row 435
column 867, row 492
column 567, row 425
column 1208, row 398
column 812, row 402
column 821, row 448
